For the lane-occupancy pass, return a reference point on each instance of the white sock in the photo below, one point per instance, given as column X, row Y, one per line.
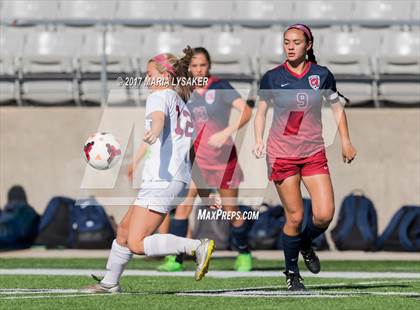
column 117, row 260
column 168, row 244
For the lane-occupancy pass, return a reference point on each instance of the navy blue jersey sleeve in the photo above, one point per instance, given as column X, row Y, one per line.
column 330, row 82
column 330, row 89
column 265, row 90
column 229, row 94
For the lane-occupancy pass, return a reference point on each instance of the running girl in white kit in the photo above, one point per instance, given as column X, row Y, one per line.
column 166, row 175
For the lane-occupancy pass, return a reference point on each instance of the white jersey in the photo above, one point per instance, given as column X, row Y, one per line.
column 168, row 158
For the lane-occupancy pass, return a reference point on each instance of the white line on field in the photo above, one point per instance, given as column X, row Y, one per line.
column 46, row 290
column 60, row 296
column 307, row 294
column 204, row 295
column 38, row 291
column 213, row 274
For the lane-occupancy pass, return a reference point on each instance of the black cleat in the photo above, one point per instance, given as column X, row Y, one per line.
column 311, row 260
column 294, row 281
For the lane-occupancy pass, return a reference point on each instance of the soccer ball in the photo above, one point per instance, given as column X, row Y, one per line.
column 102, row 150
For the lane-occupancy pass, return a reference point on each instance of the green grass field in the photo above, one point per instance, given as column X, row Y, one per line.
column 181, row 292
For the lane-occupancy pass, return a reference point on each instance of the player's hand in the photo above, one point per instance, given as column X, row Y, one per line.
column 259, row 149
column 349, row 152
column 218, row 139
column 150, row 137
column 215, row 202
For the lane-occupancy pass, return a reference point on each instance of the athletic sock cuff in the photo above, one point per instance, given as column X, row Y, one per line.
column 120, row 248
column 179, row 227
column 292, row 238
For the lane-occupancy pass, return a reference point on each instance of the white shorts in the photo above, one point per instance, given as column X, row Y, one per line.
column 160, row 196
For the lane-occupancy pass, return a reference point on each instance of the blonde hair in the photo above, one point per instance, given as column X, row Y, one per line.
column 180, row 69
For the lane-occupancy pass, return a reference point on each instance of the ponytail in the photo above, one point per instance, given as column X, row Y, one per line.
column 167, row 62
column 184, row 90
column 311, row 56
column 346, row 100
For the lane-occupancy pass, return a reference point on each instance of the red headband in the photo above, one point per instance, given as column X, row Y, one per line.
column 163, row 60
column 303, row 28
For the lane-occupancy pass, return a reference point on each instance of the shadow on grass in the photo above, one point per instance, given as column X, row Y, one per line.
column 357, row 286
column 281, row 288
column 218, row 291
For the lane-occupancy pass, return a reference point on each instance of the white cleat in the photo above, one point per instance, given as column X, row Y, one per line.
column 202, row 258
column 100, row 288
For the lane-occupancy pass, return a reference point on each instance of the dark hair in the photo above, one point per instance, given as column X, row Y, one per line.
column 311, row 56
column 346, row 100
column 16, row 193
column 181, row 70
column 202, row 50
column 310, row 52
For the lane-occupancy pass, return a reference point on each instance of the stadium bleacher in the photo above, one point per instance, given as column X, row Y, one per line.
column 70, row 52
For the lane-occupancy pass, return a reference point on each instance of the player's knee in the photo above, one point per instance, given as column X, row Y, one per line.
column 135, row 245
column 122, row 235
column 121, row 240
column 323, row 219
column 294, row 219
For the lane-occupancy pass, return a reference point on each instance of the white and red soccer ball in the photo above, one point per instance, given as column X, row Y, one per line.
column 102, row 150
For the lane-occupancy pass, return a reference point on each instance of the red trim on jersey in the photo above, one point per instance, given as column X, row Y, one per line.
column 299, row 76
column 212, row 79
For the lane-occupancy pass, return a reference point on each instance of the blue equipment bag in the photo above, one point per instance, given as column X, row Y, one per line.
column 357, row 224
column 18, row 226
column 265, row 231
column 91, row 227
column 81, row 226
column 402, row 232
column 54, row 227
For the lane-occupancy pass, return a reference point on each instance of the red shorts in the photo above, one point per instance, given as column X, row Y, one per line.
column 216, row 169
column 225, row 179
column 283, row 168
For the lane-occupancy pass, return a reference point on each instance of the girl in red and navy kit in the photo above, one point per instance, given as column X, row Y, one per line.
column 295, row 147
column 216, row 158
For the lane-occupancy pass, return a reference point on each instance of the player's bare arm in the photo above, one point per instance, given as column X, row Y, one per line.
column 138, row 156
column 259, row 126
column 219, row 138
column 158, row 120
column 348, row 150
